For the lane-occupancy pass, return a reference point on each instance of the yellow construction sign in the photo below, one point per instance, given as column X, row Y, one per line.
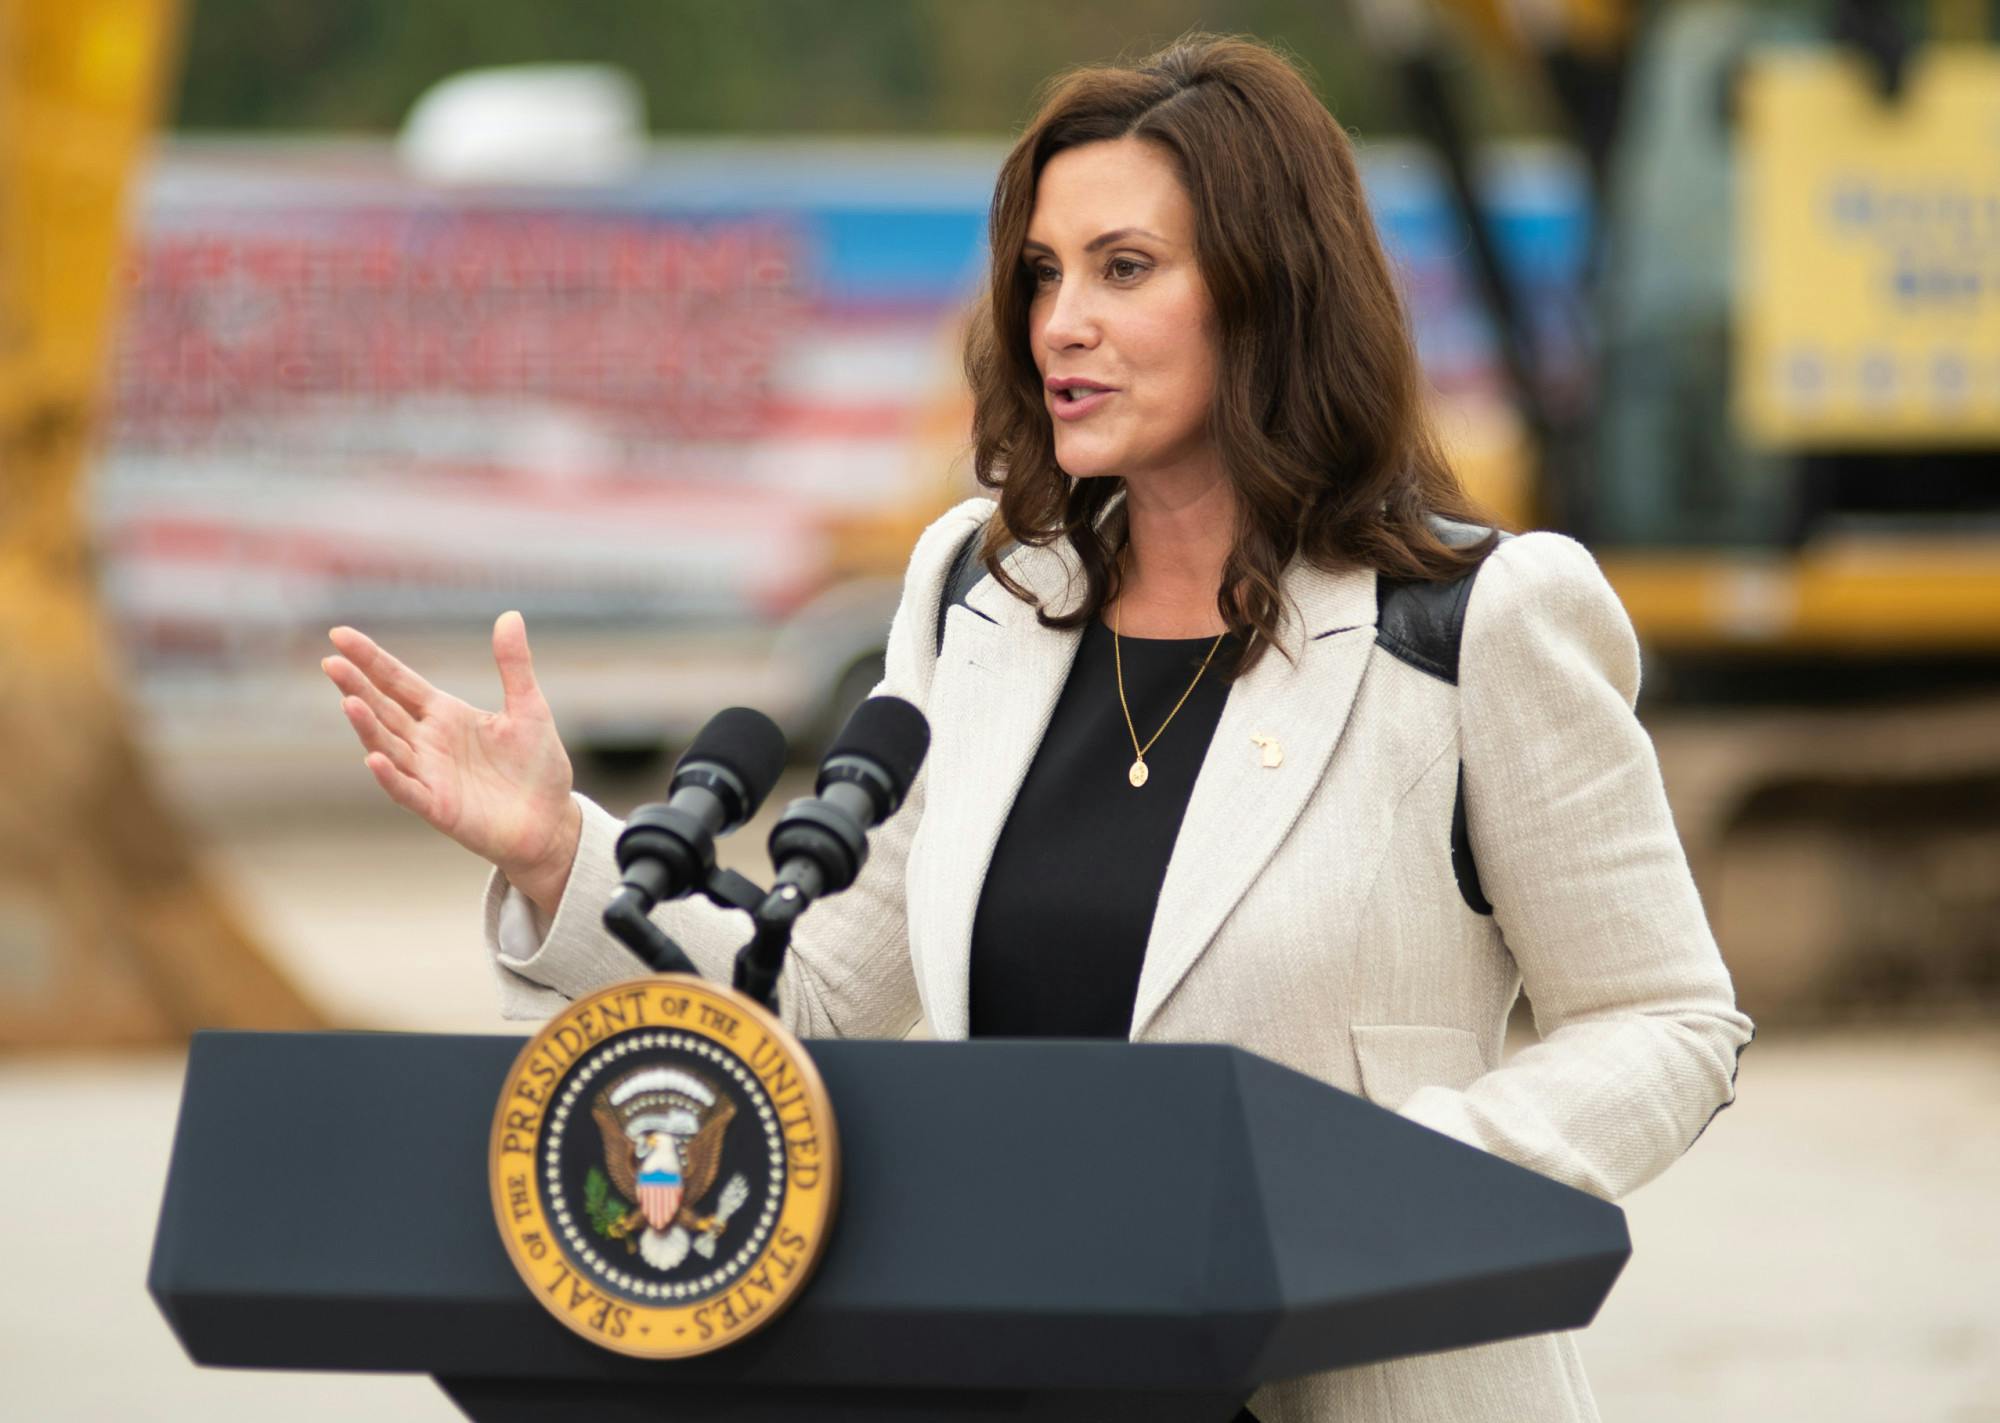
column 1868, row 250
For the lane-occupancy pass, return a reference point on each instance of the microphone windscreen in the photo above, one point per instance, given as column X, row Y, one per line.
column 749, row 744
column 891, row 733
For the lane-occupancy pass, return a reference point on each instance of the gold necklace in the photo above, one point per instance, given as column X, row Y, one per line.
column 1137, row 775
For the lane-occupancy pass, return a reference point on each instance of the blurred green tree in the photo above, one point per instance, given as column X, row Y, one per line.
column 750, row 66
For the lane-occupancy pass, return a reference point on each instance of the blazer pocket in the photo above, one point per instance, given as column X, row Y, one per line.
column 1395, row 1059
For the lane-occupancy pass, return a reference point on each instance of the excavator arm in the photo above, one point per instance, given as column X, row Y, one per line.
column 109, row 932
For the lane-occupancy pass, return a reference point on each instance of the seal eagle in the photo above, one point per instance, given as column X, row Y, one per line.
column 663, row 1128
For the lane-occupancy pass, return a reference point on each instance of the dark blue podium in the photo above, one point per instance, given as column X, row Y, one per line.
column 1028, row 1230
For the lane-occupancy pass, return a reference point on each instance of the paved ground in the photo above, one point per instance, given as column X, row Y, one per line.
column 1830, row 1251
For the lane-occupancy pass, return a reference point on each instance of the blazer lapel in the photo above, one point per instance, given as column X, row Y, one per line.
column 1240, row 810
column 1006, row 672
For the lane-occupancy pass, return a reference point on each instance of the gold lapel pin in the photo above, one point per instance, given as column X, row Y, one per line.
column 1274, row 754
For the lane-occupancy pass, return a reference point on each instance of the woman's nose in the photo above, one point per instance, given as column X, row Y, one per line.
column 1071, row 323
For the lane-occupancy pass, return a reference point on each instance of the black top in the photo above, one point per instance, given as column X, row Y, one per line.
column 1068, row 902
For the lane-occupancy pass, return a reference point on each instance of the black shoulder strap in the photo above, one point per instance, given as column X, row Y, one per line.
column 1422, row 623
column 960, row 579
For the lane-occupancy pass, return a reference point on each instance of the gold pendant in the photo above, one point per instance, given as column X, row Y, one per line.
column 1137, row 775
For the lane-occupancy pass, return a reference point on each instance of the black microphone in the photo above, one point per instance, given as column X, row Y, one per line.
column 821, row 842
column 668, row 849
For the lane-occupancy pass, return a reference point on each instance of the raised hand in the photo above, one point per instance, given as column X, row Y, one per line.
column 496, row 782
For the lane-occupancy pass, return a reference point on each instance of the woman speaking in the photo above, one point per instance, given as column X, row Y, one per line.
column 1245, row 734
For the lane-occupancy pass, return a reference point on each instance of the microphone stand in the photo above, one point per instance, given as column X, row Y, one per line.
column 625, row 918
column 758, row 962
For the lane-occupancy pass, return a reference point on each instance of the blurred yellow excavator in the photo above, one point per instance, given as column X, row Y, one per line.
column 108, row 932
column 1788, row 459
column 1793, row 437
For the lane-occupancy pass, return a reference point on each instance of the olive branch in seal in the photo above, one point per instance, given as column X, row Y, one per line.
column 611, row 1215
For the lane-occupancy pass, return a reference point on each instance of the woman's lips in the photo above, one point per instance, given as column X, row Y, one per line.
column 1077, row 409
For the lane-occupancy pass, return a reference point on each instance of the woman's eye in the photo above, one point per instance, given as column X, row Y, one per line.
column 1124, row 269
column 1041, row 273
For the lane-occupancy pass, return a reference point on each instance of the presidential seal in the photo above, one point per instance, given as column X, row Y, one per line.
column 664, row 1167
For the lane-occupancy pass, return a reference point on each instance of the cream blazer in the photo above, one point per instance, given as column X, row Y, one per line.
column 1309, row 911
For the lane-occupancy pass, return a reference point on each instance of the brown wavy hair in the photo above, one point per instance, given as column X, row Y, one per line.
column 1319, row 407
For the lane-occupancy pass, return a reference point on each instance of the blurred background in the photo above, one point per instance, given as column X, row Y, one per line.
column 644, row 320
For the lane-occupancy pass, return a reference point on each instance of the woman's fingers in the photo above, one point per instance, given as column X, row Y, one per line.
column 403, row 685
column 349, row 678
column 377, row 738
column 406, row 792
column 517, row 666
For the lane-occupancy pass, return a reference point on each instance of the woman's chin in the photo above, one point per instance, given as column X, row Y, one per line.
column 1086, row 463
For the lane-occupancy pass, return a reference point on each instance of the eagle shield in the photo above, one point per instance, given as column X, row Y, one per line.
column 659, row 1197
